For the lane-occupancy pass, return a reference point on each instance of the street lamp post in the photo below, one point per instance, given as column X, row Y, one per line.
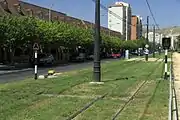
column 147, row 40
column 172, row 38
column 50, row 12
column 127, row 28
column 154, row 37
column 97, row 65
column 171, row 32
column 110, row 30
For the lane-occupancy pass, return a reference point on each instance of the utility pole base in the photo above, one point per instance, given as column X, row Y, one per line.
column 35, row 77
column 97, row 83
column 146, row 57
column 165, row 76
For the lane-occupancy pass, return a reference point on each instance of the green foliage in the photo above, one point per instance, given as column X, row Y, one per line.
column 17, row 31
column 22, row 31
column 133, row 44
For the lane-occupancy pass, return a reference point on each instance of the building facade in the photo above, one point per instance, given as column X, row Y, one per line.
column 174, row 39
column 136, row 28
column 119, row 19
column 20, row 8
column 158, row 37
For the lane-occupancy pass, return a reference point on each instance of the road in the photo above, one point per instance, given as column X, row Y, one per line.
column 27, row 74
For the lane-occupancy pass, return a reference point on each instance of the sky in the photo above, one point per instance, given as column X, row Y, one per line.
column 166, row 12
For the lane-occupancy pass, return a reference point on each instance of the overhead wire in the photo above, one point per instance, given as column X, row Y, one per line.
column 114, row 14
column 149, row 7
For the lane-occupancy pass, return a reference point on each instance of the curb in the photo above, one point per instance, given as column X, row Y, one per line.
column 16, row 71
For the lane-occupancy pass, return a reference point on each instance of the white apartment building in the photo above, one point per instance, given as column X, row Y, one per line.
column 119, row 19
column 158, row 37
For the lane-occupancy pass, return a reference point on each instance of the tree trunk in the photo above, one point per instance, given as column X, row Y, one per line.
column 5, row 55
column 49, row 50
column 1, row 56
column 12, row 51
column 57, row 54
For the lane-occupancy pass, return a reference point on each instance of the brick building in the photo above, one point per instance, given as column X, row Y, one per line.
column 20, row 8
column 17, row 7
column 136, row 28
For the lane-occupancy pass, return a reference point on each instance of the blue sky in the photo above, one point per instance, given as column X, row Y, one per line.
column 165, row 12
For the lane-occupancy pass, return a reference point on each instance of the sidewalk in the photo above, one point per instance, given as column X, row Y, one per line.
column 176, row 70
column 142, row 59
column 15, row 66
column 5, row 72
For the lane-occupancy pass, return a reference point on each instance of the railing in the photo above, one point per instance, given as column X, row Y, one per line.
column 173, row 108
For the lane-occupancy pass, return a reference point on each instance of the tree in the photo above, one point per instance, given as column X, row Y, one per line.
column 21, row 32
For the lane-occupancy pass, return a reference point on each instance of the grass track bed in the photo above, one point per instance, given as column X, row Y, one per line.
column 58, row 98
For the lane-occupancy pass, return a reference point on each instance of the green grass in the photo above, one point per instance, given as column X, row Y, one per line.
column 71, row 91
column 157, row 55
column 150, row 103
column 157, row 107
column 56, row 108
column 136, row 107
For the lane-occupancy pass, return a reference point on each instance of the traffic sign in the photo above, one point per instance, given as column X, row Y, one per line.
column 35, row 46
column 166, row 42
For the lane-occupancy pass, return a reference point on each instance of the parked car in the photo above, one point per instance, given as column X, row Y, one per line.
column 43, row 59
column 116, row 55
column 46, row 59
column 78, row 57
column 134, row 53
column 90, row 57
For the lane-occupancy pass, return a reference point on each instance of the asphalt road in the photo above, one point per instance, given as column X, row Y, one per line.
column 27, row 74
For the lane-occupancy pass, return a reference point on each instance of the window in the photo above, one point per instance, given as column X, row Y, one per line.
column 30, row 12
column 18, row 8
column 56, row 18
column 4, row 4
column 40, row 14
